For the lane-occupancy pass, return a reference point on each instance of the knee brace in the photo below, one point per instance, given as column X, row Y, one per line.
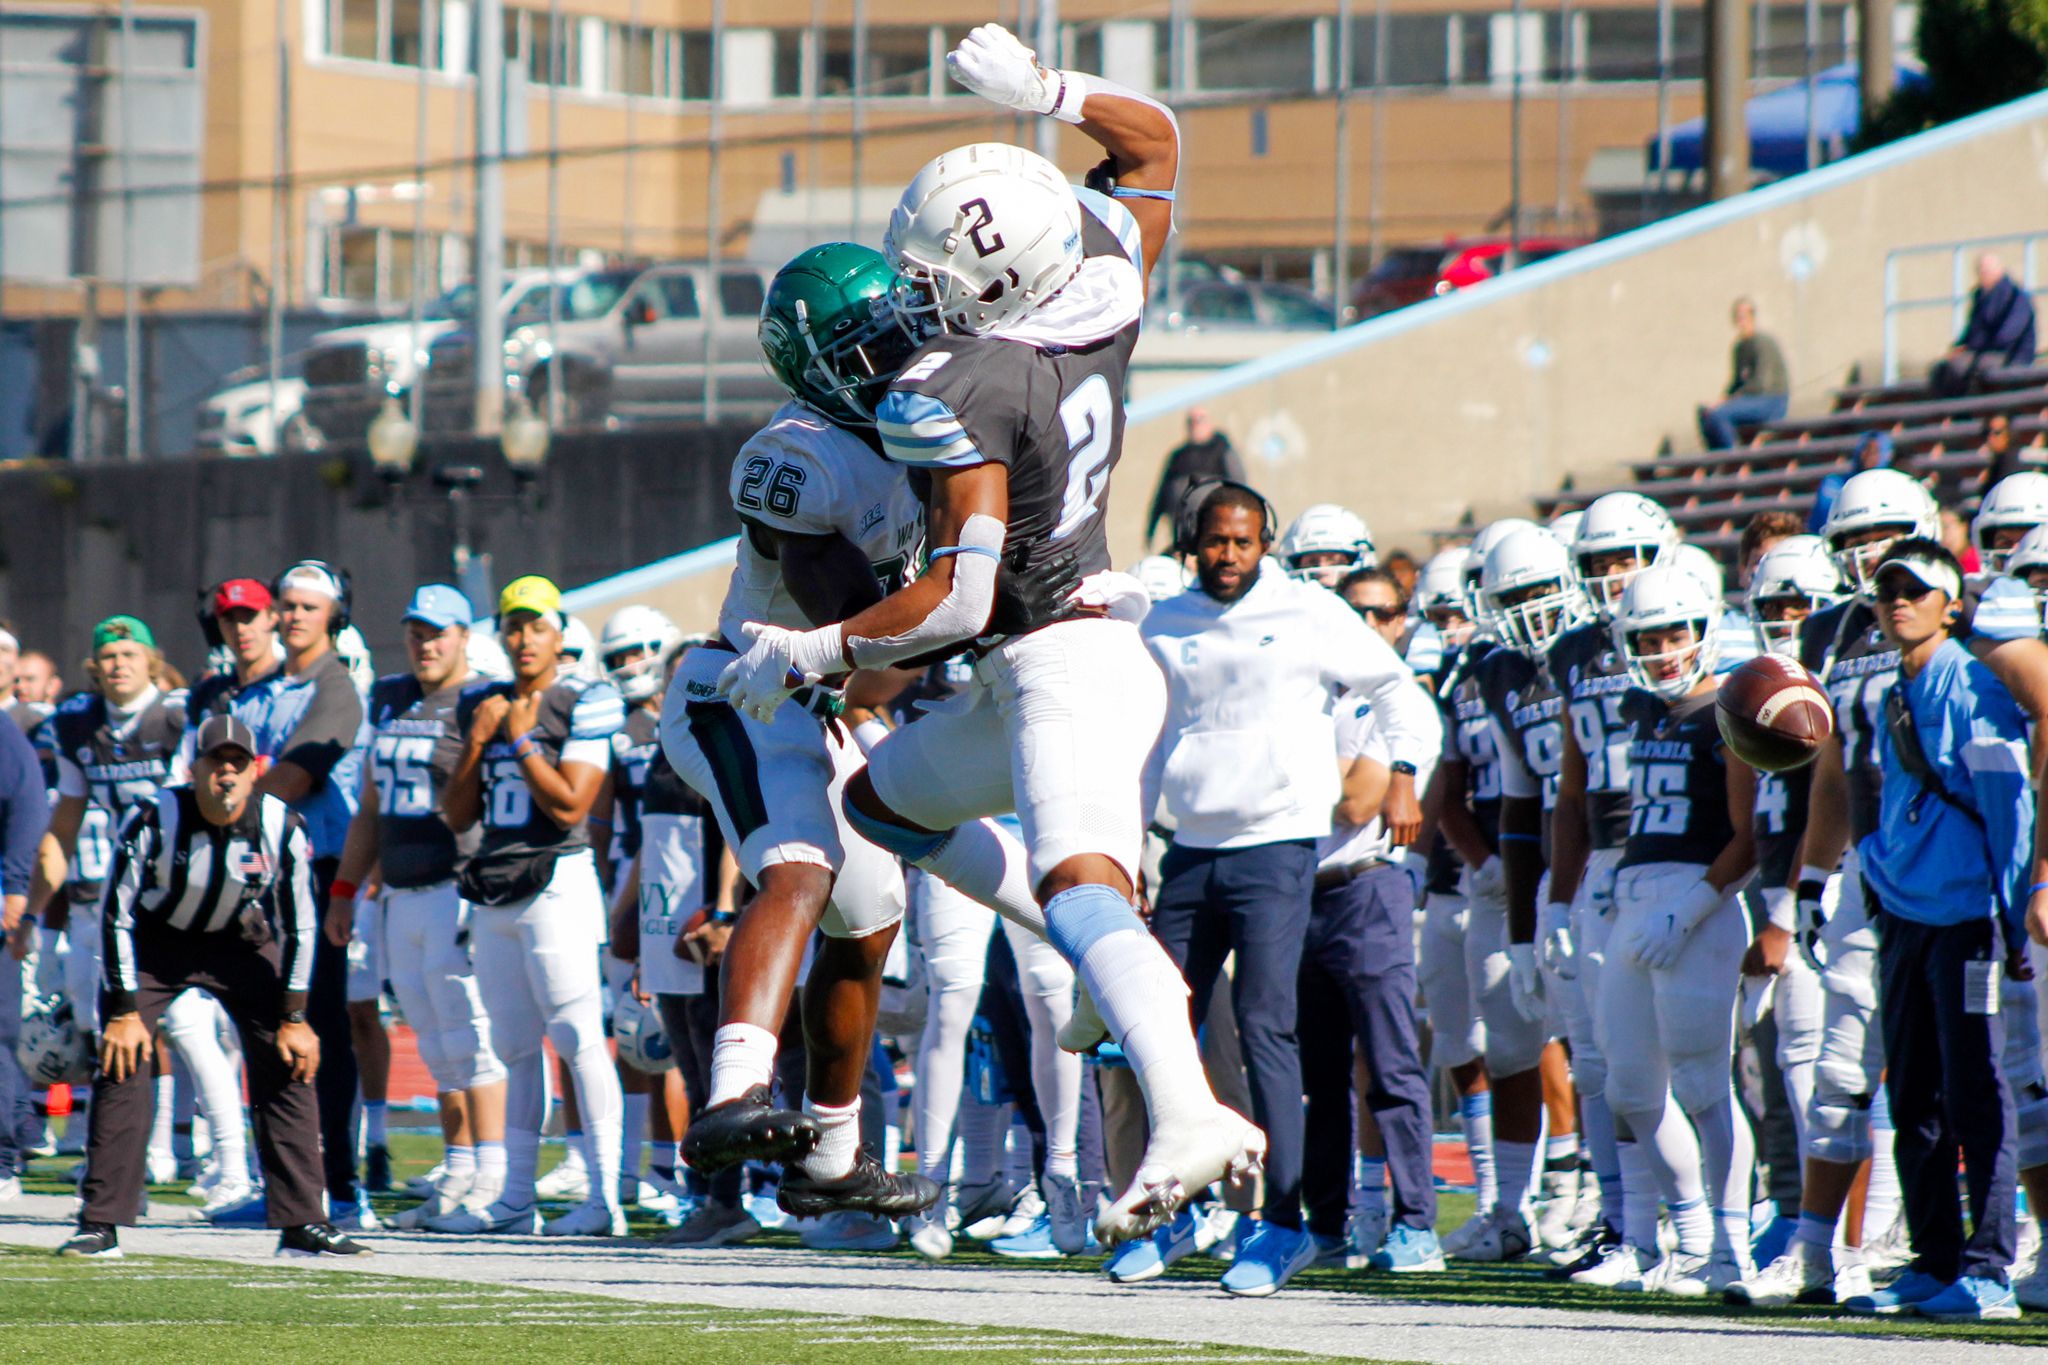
column 1082, row 916
column 907, row 844
column 2031, row 1100
column 1838, row 1127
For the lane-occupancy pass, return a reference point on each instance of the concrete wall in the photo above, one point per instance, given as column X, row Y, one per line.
column 1479, row 399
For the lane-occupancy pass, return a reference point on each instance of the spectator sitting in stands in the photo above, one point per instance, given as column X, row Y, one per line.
column 2000, row 331
column 1873, row 451
column 1955, row 538
column 2003, row 457
column 1757, row 391
column 1765, row 530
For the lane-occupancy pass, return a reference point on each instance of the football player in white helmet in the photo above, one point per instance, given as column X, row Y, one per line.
column 1565, row 526
column 635, row 649
column 1163, row 576
column 1794, row 579
column 579, row 651
column 1475, row 564
column 1874, row 509
column 1527, row 589
column 1325, row 543
column 1737, row 643
column 1440, row 596
column 1619, row 536
column 1673, row 962
column 2014, row 506
column 1013, row 408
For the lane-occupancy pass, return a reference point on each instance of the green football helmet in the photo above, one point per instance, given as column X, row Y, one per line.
column 830, row 332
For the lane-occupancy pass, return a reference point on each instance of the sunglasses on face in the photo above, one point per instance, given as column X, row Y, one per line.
column 1911, row 591
column 1384, row 615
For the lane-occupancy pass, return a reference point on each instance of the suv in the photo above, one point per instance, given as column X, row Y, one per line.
column 634, row 348
column 1408, row 275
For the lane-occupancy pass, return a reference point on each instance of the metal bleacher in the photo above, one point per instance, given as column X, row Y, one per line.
column 1780, row 465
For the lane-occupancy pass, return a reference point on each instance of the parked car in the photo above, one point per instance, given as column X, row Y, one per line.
column 1241, row 305
column 349, row 370
column 632, row 349
column 1408, row 275
column 246, row 417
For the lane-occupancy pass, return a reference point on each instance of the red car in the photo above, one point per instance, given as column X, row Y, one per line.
column 1408, row 275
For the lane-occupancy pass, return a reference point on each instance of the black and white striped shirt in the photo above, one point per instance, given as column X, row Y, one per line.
column 177, row 871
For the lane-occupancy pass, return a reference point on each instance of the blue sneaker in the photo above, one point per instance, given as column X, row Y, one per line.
column 1330, row 1250
column 850, row 1230
column 1032, row 1244
column 1267, row 1258
column 1408, row 1250
column 1775, row 1239
column 1971, row 1299
column 1902, row 1296
column 253, row 1212
column 1148, row 1257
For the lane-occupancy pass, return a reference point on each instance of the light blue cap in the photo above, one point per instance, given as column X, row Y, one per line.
column 439, row 606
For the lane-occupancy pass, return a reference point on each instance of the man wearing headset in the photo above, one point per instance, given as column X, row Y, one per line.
column 308, row 720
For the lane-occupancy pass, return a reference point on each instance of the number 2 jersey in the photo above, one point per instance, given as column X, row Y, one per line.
column 1678, row 809
column 413, row 749
column 577, row 720
column 1858, row 666
column 802, row 475
column 1051, row 414
column 1595, row 680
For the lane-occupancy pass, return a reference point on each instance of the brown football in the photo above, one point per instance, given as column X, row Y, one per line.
column 1773, row 714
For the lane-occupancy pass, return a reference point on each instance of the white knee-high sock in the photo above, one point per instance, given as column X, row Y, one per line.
column 941, row 1074
column 1143, row 1002
column 1475, row 1115
column 1636, row 1218
column 1727, row 1159
column 1516, row 1162
column 632, row 1136
column 1674, row 1152
column 742, row 1057
column 165, row 1087
column 985, row 864
column 1055, row 1074
column 1596, row 1127
column 526, row 1103
column 1881, row 1204
column 218, row 1084
column 603, row 1104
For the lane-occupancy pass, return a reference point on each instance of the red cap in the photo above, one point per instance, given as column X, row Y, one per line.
column 240, row 592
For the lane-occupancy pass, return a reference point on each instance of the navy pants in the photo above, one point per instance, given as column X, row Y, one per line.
column 1949, row 1097
column 1253, row 902
column 19, row 1125
column 1358, row 981
column 1717, row 424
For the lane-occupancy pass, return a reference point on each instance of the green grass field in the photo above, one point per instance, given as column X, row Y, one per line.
column 70, row 1290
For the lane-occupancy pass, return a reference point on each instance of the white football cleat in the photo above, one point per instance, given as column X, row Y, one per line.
column 1506, row 1237
column 226, row 1194
column 1801, row 1274
column 163, row 1167
column 1557, row 1204
column 1624, row 1268
column 1890, row 1249
column 1706, row 1279
column 1454, row 1241
column 1852, row 1282
column 1185, row 1156
column 473, row 1220
column 569, row 1180
column 441, row 1201
column 588, row 1219
column 928, row 1235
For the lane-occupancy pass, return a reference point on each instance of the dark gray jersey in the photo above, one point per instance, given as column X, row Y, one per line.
column 1595, row 680
column 1679, row 811
column 1858, row 666
column 113, row 760
column 1780, row 822
column 576, row 723
column 412, row 752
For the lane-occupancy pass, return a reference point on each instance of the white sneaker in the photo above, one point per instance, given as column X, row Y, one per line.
column 1556, row 1204
column 472, row 1220
column 1702, row 1277
column 1677, row 1266
column 2032, row 1292
column 646, row 1196
column 569, row 1180
column 1888, row 1250
column 1185, row 1156
column 1455, row 1241
column 588, row 1219
column 10, row 1188
column 1797, row 1276
column 1506, row 1237
column 1586, row 1208
column 1064, row 1211
column 1029, row 1207
column 203, row 1184
column 225, row 1194
column 441, row 1201
column 928, row 1235
column 1852, row 1282
column 1624, row 1268
column 163, row 1167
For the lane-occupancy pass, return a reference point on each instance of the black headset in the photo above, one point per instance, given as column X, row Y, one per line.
column 337, row 622
column 1187, row 521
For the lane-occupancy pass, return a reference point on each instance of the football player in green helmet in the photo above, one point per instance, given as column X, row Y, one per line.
column 830, row 334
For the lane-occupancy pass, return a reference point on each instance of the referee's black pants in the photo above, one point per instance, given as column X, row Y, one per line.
column 248, row 980
column 327, row 1013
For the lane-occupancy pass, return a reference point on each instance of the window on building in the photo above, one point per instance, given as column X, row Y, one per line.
column 1781, row 40
column 1418, row 50
column 899, row 60
column 1255, row 54
column 353, row 29
column 1621, row 44
column 835, row 62
column 408, row 39
column 789, row 63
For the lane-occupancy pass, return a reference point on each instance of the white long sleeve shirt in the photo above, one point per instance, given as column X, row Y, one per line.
column 1248, row 752
column 1361, row 735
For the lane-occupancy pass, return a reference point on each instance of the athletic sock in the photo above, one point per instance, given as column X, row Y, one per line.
column 1517, row 1162
column 1062, row 1162
column 1143, row 1003
column 1637, row 1220
column 1881, row 1203
column 838, row 1139
column 661, row 1159
column 1815, row 1232
column 632, row 1136
column 984, row 864
column 1561, row 1154
column 1371, row 1183
column 578, row 1155
column 161, row 1124
column 1732, row 1232
column 493, row 1177
column 373, row 1123
column 742, row 1057
column 522, row 1163
column 457, row 1161
column 1475, row 1113
column 1694, row 1221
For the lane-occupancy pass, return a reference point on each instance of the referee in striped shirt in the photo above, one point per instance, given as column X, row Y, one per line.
column 211, row 887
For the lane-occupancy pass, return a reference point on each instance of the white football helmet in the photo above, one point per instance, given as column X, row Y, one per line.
column 486, row 656
column 1440, row 589
column 650, row 632
column 1660, row 597
column 1323, row 529
column 1620, row 521
column 1533, row 570
column 984, row 234
column 1565, row 526
column 1876, row 499
column 52, row 1049
column 1797, row 568
column 2017, row 501
column 1702, row 566
column 354, row 651
column 579, row 651
column 637, row 1030
column 1475, row 561
column 1162, row 575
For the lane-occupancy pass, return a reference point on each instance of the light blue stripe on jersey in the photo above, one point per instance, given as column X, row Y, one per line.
column 2008, row 610
column 1735, row 637
column 919, row 429
column 598, row 714
column 1425, row 649
column 1117, row 219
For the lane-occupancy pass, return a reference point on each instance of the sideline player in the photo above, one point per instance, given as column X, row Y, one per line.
column 1324, row 544
column 1014, row 412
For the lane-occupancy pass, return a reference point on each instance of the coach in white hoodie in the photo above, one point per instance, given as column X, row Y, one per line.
column 1247, row 768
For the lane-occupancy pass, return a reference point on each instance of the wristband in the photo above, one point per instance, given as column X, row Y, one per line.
column 1131, row 192
column 1072, row 94
column 1403, row 766
column 722, row 916
column 1521, row 838
column 525, row 746
column 2037, row 888
column 339, row 890
column 597, row 820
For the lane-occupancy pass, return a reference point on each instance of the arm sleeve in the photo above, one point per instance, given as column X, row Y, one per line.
column 298, row 914
column 134, row 851
column 328, row 729
column 1360, row 660
column 25, row 808
column 1516, row 780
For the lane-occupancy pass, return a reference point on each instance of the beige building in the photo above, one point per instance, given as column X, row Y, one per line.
column 363, row 110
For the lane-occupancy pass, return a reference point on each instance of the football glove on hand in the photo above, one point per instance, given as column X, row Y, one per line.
column 1663, row 934
column 777, row 663
column 1487, row 880
column 992, row 63
column 1813, row 922
column 1525, row 983
column 1554, row 939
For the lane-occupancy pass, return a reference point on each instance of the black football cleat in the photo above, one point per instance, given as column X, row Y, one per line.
column 98, row 1240
column 867, row 1187
column 747, row 1129
column 1599, row 1242
column 318, row 1239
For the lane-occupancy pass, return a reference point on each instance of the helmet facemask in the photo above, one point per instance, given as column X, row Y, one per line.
column 1858, row 563
column 1670, row 673
column 639, row 676
column 1605, row 589
column 1532, row 623
column 1780, row 635
column 851, row 371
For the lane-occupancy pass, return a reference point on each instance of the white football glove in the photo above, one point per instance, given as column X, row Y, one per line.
column 1554, row 938
column 776, row 664
column 992, row 63
column 1525, row 983
column 1663, row 934
column 1486, row 881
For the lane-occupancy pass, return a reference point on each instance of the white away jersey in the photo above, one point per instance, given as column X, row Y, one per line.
column 803, row 475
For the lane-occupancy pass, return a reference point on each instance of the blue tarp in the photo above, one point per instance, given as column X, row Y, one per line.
column 1777, row 124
